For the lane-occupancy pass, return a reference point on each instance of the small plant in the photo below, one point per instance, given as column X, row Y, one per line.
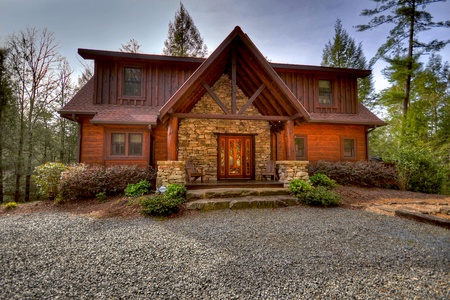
column 175, row 190
column 11, row 205
column 101, row 197
column 298, row 187
column 321, row 196
column 322, row 180
column 137, row 189
column 160, row 205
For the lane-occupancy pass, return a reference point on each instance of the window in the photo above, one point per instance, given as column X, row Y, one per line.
column 300, row 148
column 132, row 81
column 325, row 92
column 126, row 144
column 349, row 148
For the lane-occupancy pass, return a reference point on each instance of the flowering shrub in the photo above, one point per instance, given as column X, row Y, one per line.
column 86, row 181
column 362, row 173
column 47, row 178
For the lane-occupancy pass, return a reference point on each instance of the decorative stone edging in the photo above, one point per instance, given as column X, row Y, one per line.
column 171, row 172
column 289, row 170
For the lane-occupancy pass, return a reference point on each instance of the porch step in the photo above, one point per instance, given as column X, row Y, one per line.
column 239, row 198
column 193, row 195
column 242, row 202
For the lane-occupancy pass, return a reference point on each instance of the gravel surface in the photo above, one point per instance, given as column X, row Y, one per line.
column 290, row 253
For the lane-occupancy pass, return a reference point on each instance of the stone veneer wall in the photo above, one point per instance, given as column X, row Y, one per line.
column 289, row 170
column 197, row 140
column 171, row 172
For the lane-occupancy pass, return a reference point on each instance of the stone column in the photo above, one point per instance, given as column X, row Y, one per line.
column 289, row 170
column 171, row 172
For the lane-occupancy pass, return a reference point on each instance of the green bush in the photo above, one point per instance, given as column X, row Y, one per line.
column 160, row 205
column 299, row 187
column 322, row 180
column 361, row 173
column 321, row 196
column 47, row 178
column 419, row 171
column 165, row 204
column 175, row 190
column 137, row 189
column 86, row 181
column 101, row 197
column 11, row 205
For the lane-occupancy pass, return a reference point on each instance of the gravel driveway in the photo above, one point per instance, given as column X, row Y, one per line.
column 290, row 253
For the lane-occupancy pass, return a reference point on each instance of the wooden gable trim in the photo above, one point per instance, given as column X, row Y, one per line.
column 252, row 98
column 216, row 98
column 233, row 80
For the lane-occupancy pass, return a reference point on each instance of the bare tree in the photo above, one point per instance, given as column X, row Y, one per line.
column 131, row 46
column 33, row 57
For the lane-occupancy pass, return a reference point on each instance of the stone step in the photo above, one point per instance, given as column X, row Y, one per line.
column 242, row 202
column 193, row 195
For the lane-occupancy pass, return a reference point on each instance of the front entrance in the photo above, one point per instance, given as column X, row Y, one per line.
column 236, row 157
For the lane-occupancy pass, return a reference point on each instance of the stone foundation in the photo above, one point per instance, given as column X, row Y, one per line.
column 289, row 170
column 171, row 172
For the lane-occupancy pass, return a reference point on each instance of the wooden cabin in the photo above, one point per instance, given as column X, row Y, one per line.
column 229, row 113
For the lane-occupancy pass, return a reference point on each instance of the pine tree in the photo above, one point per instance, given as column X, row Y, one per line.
column 342, row 52
column 183, row 38
column 403, row 41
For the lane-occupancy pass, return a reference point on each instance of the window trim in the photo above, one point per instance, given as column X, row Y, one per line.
column 122, row 82
column 343, row 148
column 305, row 144
column 332, row 81
column 127, row 156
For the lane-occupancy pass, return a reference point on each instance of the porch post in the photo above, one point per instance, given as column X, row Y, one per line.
column 172, row 139
column 289, row 140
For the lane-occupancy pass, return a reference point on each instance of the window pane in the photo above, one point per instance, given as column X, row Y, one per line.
column 135, row 144
column 118, row 144
column 132, row 81
column 324, row 92
column 349, row 148
column 299, row 148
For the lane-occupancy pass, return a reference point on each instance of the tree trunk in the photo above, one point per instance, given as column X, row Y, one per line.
column 410, row 62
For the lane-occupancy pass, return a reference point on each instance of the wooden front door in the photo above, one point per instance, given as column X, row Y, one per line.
column 235, row 157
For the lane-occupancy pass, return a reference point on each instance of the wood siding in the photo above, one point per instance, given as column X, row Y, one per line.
column 95, row 146
column 324, row 141
column 304, row 85
column 160, row 81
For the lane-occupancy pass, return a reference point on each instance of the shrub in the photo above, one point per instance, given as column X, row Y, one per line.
column 362, row 173
column 299, row 187
column 420, row 172
column 86, row 181
column 175, row 190
column 137, row 189
column 165, row 204
column 322, row 180
column 11, row 205
column 160, row 205
column 321, row 196
column 47, row 178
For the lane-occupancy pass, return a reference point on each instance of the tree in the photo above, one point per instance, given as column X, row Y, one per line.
column 403, row 41
column 343, row 52
column 183, row 38
column 33, row 58
column 132, row 46
column 5, row 105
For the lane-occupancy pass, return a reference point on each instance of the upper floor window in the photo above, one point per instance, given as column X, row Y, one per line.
column 132, row 81
column 325, row 92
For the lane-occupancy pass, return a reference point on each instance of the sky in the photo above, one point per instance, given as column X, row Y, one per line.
column 285, row 31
